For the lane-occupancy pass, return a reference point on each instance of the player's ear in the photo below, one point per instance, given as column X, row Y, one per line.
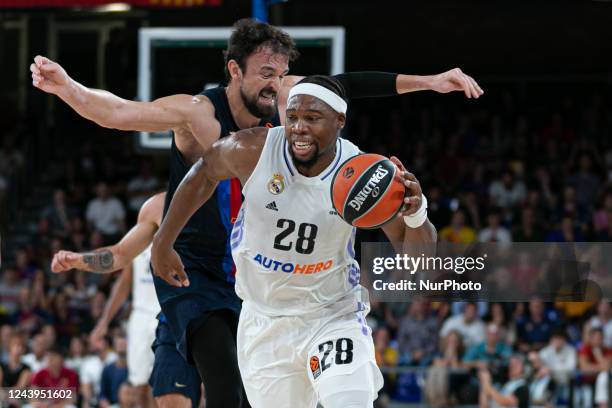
column 234, row 69
column 341, row 121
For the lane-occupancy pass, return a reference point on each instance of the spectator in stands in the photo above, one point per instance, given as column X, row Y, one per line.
column 77, row 241
column 91, row 370
column 96, row 309
column 535, row 330
column 494, row 232
column 15, row 374
column 10, row 288
column 444, row 377
column 56, row 375
column 39, row 292
column 442, row 311
column 603, row 320
column 605, row 235
column 65, row 320
column 566, row 232
column 560, row 358
column 514, row 393
column 541, row 387
column 468, row 324
column 437, row 206
column 114, row 374
column 492, row 353
column 499, row 314
column 386, row 356
column 58, row 215
column 417, row 335
column 36, row 359
column 140, row 188
column 6, row 332
column 381, row 315
column 76, row 354
column 458, row 232
column 28, row 317
column 603, row 217
column 524, row 272
column 106, row 214
column 25, row 267
column 507, row 192
column 450, row 351
column 11, row 159
column 593, row 358
column 585, row 181
column 80, row 292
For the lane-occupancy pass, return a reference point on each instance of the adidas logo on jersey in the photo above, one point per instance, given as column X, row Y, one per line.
column 272, row 206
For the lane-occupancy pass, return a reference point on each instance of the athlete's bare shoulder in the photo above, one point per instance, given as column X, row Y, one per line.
column 151, row 211
column 250, row 139
column 200, row 107
column 203, row 128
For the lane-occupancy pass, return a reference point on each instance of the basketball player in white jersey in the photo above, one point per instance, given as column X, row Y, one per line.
column 302, row 333
column 132, row 254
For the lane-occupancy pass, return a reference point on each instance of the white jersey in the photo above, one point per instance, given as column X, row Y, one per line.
column 144, row 297
column 293, row 253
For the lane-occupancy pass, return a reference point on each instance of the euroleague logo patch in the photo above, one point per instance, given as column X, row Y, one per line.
column 348, row 172
column 315, row 367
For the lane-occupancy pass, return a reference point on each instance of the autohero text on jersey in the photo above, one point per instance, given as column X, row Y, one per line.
column 289, row 267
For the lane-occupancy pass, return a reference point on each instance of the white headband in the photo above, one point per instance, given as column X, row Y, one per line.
column 337, row 103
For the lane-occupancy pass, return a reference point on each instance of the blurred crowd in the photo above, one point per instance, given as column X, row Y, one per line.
column 501, row 170
column 455, row 353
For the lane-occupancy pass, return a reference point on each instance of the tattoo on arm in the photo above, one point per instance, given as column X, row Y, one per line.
column 100, row 261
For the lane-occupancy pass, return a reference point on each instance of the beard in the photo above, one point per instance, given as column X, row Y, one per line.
column 308, row 162
column 256, row 109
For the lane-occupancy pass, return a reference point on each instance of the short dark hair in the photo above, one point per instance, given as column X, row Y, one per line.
column 596, row 329
column 56, row 349
column 250, row 35
column 559, row 332
column 326, row 81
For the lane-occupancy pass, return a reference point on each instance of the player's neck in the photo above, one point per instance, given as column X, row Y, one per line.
column 243, row 118
column 316, row 168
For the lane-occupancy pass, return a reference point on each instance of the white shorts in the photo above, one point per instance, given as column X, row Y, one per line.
column 140, row 335
column 297, row 361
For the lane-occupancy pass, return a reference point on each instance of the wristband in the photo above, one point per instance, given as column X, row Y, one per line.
column 418, row 218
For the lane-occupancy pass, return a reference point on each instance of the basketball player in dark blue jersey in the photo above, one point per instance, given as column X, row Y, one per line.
column 202, row 309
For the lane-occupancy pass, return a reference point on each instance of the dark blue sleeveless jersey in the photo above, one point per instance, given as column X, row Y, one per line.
column 203, row 244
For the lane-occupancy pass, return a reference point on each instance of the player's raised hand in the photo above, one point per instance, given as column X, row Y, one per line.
column 168, row 265
column 48, row 75
column 64, row 261
column 456, row 80
column 412, row 201
column 99, row 331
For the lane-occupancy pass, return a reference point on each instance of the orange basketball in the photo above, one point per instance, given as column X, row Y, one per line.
column 367, row 190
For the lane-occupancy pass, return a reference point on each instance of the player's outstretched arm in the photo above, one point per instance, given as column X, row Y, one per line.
column 115, row 257
column 107, row 109
column 371, row 84
column 406, row 239
column 233, row 156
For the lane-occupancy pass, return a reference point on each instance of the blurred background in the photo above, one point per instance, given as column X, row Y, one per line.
column 530, row 161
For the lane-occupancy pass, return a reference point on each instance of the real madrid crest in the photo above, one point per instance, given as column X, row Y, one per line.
column 276, row 185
